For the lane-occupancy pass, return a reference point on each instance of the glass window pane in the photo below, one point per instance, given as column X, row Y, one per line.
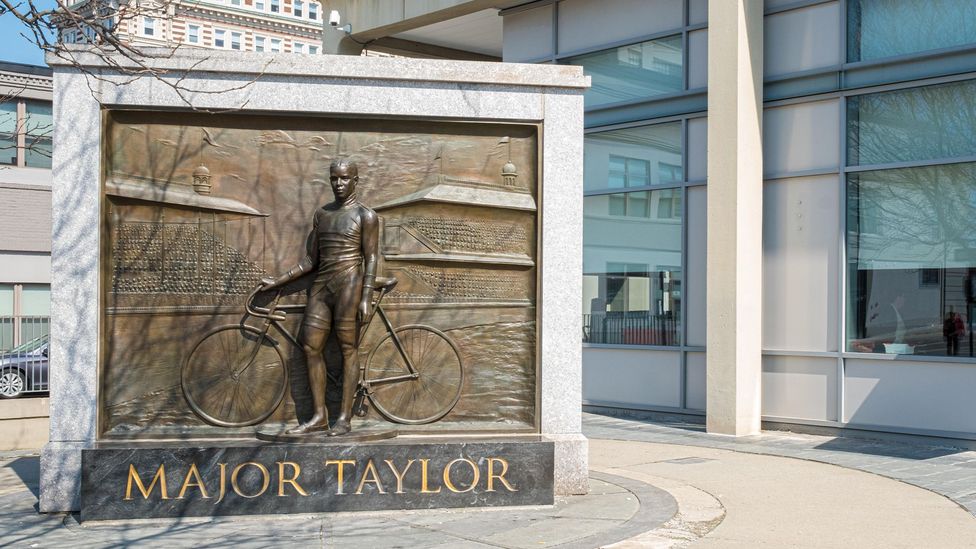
column 912, row 260
column 623, row 158
column 631, row 270
column 38, row 127
column 8, row 132
column 6, row 299
column 884, row 28
column 631, row 72
column 35, row 300
column 6, row 316
column 913, row 124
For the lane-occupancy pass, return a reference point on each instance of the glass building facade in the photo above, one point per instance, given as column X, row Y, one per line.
column 869, row 162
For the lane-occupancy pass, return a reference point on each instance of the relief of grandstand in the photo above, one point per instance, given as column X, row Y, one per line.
column 176, row 240
column 160, row 258
column 455, row 220
column 506, row 192
column 448, row 285
column 443, row 238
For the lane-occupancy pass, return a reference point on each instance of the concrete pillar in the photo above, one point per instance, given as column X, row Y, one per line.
column 334, row 40
column 734, row 264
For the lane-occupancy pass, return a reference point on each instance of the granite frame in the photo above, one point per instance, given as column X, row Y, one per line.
column 548, row 95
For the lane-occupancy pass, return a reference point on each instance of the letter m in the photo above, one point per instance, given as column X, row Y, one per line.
column 160, row 477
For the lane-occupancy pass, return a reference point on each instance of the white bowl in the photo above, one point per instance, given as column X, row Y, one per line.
column 899, row 349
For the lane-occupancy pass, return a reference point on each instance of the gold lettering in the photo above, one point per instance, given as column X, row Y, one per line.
column 447, row 475
column 423, row 479
column 264, row 473
column 293, row 480
column 500, row 476
column 341, row 463
column 370, row 469
column 223, row 481
column 197, row 481
column 399, row 474
column 160, row 477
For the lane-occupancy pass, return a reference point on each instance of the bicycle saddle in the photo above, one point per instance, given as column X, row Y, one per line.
column 384, row 283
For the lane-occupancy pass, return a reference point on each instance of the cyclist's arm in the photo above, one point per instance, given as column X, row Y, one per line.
column 306, row 265
column 370, row 235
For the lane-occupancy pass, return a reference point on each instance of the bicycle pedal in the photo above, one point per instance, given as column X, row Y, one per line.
column 362, row 410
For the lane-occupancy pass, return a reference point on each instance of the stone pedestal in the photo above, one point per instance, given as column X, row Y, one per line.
column 546, row 96
column 158, row 480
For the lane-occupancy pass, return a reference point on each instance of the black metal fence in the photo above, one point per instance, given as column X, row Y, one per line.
column 23, row 355
column 631, row 328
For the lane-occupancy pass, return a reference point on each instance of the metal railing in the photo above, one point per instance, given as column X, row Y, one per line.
column 631, row 328
column 23, row 355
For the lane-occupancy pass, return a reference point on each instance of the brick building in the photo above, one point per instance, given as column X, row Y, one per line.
column 275, row 26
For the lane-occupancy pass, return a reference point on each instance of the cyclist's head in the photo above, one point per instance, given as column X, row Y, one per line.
column 343, row 175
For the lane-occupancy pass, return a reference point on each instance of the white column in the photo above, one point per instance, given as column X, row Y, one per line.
column 734, row 264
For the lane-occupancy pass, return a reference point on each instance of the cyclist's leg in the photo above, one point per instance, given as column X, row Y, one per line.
column 315, row 332
column 347, row 332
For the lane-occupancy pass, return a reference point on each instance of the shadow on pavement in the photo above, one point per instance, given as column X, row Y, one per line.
column 29, row 471
column 888, row 449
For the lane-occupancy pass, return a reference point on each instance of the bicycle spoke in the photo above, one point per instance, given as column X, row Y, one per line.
column 206, row 383
column 228, row 404
column 399, row 399
column 435, row 361
column 246, row 404
column 225, row 356
column 418, row 358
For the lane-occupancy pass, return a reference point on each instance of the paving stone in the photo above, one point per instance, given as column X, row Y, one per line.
column 940, row 468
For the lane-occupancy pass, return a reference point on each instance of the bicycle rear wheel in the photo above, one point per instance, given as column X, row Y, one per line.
column 234, row 377
column 430, row 396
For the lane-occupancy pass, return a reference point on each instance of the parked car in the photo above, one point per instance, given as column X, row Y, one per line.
column 23, row 369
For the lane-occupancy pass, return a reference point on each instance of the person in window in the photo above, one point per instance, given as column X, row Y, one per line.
column 950, row 331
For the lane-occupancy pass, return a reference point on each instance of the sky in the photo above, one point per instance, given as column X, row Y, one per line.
column 13, row 46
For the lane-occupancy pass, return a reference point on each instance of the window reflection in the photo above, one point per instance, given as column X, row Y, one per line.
column 926, row 123
column 886, row 28
column 632, row 268
column 38, row 127
column 630, row 72
column 8, row 132
column 633, row 157
column 912, row 260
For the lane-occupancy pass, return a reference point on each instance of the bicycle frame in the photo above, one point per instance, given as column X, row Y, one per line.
column 274, row 314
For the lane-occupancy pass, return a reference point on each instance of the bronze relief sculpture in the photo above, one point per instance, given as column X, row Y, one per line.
column 430, row 231
column 342, row 250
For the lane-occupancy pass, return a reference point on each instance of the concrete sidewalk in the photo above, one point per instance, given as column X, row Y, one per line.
column 655, row 484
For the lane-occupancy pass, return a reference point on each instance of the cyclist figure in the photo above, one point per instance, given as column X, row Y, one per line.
column 342, row 251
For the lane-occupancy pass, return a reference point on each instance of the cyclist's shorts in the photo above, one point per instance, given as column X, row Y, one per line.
column 334, row 303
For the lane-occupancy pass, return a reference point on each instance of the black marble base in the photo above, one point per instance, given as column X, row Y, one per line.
column 142, row 480
column 322, row 438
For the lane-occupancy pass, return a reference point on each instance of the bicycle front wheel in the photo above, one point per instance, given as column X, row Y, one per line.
column 234, row 377
column 430, row 396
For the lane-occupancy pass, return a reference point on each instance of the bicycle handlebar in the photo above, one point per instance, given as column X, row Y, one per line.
column 263, row 312
column 382, row 285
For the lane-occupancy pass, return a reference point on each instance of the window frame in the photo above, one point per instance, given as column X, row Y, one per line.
column 22, row 135
column 220, row 35
column 682, row 188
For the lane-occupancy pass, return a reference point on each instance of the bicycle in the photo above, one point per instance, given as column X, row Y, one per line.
column 236, row 376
